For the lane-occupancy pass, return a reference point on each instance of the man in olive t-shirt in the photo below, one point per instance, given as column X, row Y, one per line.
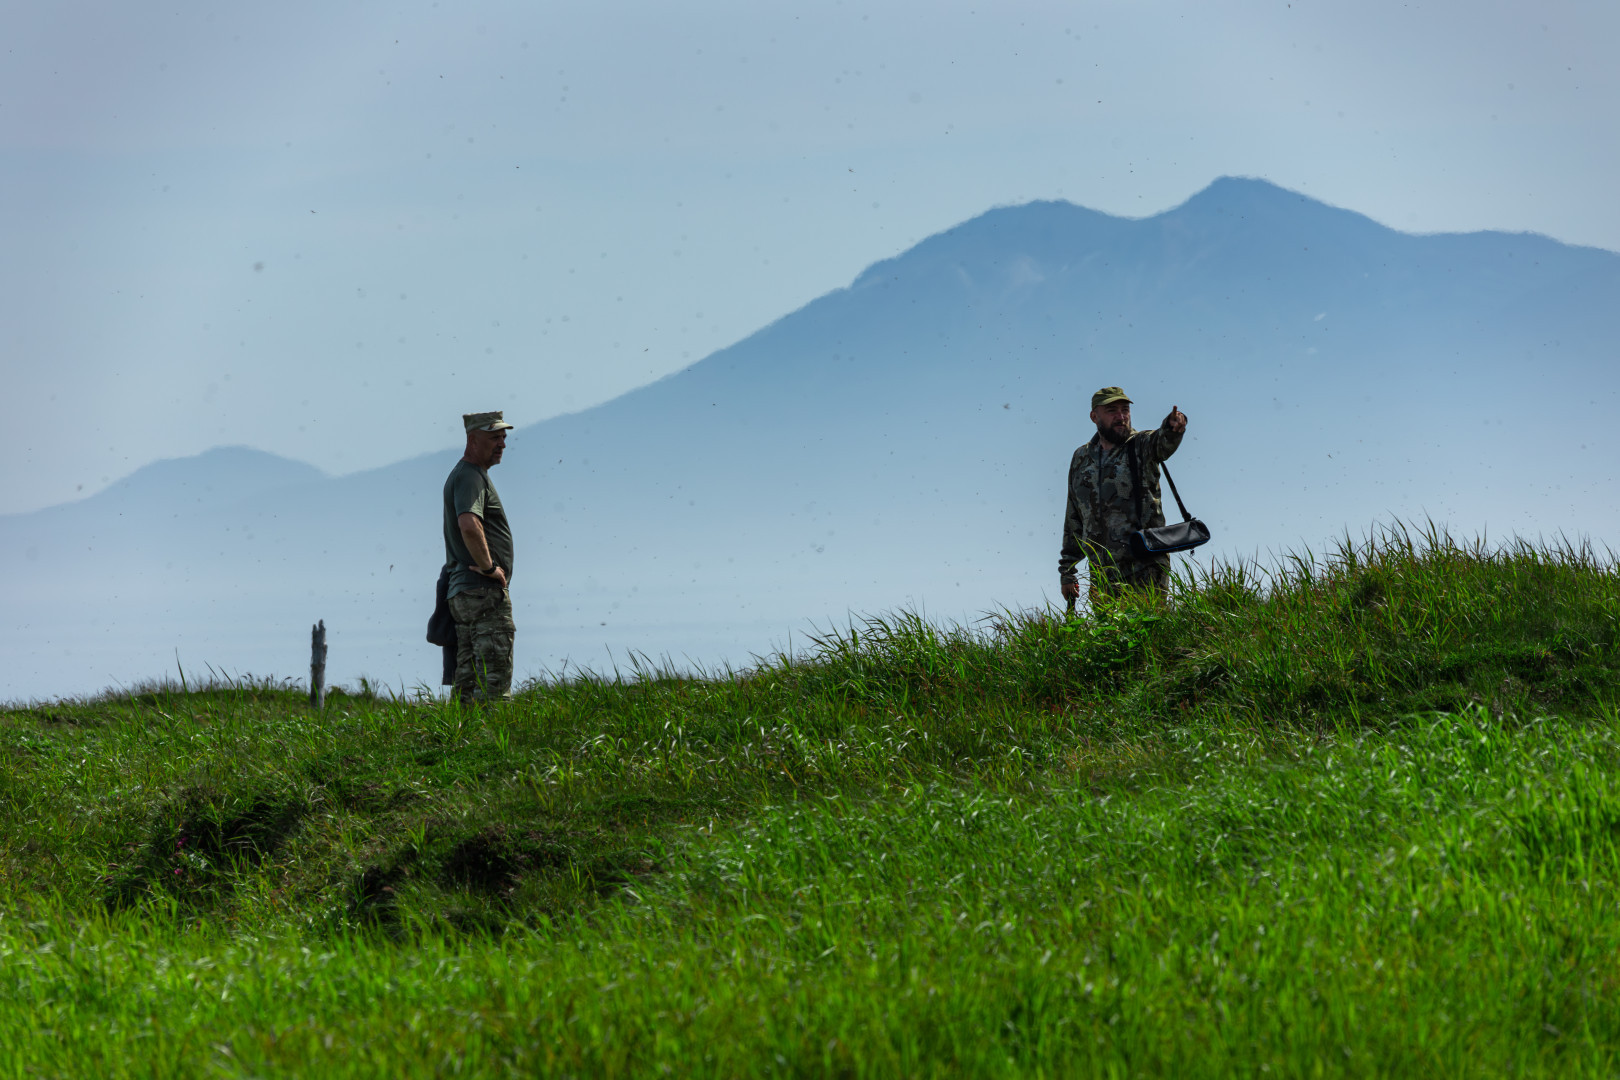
column 478, row 554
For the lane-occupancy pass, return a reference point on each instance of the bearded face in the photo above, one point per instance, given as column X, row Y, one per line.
column 1113, row 421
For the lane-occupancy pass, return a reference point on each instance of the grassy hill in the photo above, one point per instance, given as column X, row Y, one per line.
column 1356, row 818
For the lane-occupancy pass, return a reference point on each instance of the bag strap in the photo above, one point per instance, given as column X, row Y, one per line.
column 1183, row 506
column 1136, row 483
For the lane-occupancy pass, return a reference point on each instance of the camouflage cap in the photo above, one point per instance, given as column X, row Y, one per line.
column 1108, row 395
column 484, row 421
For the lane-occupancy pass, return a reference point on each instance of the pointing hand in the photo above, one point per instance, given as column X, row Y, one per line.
column 1176, row 422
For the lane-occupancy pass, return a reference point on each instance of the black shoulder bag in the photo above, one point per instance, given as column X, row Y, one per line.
column 441, row 628
column 1165, row 539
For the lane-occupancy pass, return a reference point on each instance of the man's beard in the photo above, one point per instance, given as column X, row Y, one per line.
column 1117, row 434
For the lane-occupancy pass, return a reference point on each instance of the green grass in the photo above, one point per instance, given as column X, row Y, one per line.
column 1359, row 817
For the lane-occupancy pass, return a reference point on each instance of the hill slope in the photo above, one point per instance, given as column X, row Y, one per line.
column 1219, row 838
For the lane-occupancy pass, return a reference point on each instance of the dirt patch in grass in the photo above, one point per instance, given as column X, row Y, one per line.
column 496, row 857
column 195, row 842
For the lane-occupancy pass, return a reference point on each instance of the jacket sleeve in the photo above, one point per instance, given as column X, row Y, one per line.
column 1161, row 443
column 1073, row 529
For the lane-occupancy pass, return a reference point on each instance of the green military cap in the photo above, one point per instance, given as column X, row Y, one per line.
column 484, row 421
column 1108, row 395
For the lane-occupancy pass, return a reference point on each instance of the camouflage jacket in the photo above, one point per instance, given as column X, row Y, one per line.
column 1101, row 513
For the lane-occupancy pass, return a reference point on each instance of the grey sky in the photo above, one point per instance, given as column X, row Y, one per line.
column 325, row 230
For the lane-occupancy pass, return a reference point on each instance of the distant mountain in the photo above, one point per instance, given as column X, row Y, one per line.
column 152, row 509
column 901, row 442
column 228, row 474
column 238, row 473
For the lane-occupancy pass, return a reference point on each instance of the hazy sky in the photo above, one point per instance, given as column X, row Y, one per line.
column 325, row 230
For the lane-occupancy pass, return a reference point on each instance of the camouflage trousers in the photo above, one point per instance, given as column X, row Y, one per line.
column 1112, row 581
column 484, row 631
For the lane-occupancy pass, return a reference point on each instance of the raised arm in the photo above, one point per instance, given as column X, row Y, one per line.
column 1163, row 440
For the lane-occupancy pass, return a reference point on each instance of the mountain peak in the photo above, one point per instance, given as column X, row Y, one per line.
column 1056, row 228
column 1040, row 228
column 1256, row 202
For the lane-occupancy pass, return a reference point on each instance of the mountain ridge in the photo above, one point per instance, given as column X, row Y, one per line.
column 1226, row 196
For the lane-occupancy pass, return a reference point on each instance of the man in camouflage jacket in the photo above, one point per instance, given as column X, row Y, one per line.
column 1102, row 508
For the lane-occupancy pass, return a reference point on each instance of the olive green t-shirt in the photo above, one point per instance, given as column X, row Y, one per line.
column 468, row 491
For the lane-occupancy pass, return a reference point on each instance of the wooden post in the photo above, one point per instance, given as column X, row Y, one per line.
column 317, row 665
